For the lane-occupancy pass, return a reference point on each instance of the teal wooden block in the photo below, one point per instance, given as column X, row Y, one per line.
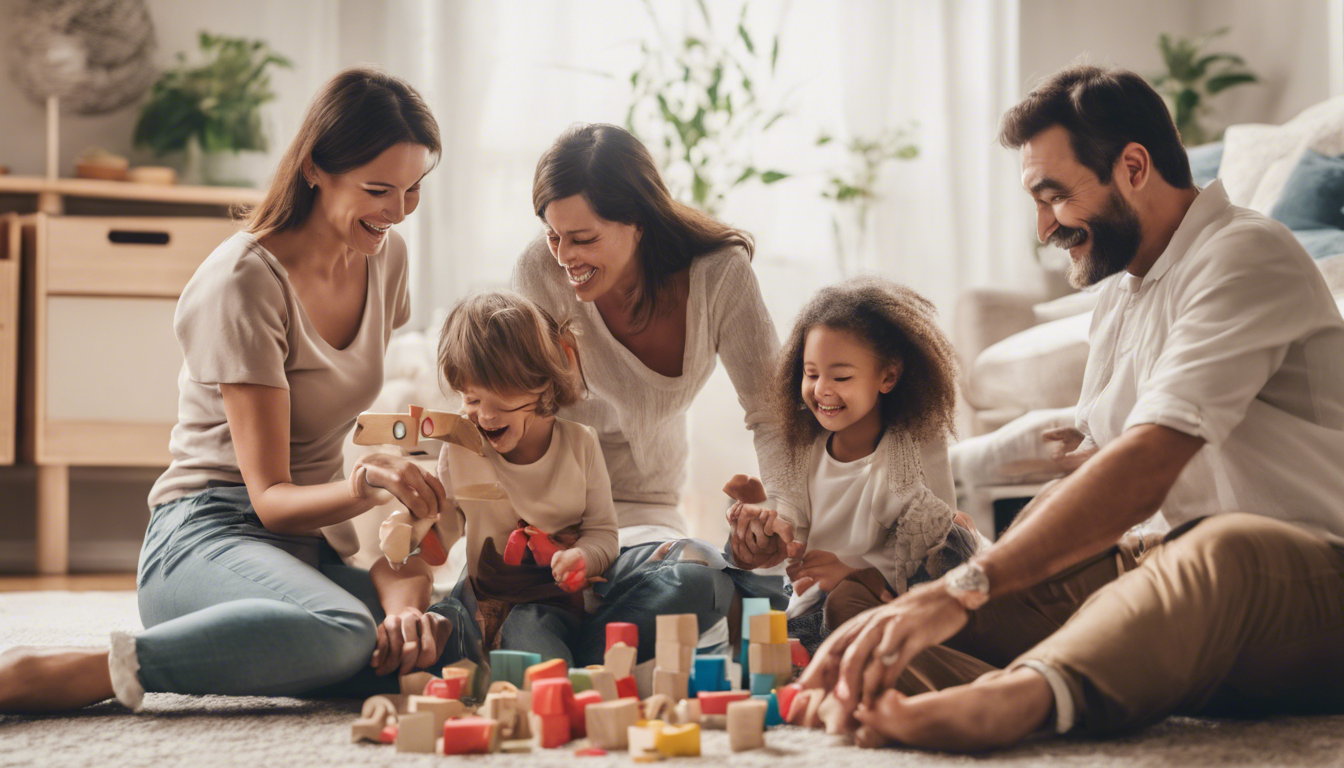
column 710, row 673
column 762, row 684
column 510, row 665
column 751, row 606
column 772, row 716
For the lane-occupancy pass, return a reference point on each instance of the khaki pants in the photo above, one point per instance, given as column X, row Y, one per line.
column 1238, row 615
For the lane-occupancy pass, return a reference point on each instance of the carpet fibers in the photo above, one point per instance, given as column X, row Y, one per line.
column 254, row 731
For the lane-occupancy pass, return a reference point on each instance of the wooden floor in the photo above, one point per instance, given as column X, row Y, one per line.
column 82, row 582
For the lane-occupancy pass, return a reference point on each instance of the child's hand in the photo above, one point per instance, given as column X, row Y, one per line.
column 567, row 561
column 818, row 568
column 759, row 538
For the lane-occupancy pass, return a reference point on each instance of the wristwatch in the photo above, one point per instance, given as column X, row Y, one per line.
column 968, row 584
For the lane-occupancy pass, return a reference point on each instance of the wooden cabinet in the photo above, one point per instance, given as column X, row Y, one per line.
column 9, row 334
column 100, row 367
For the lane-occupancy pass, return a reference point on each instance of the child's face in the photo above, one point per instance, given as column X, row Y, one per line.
column 843, row 378
column 508, row 420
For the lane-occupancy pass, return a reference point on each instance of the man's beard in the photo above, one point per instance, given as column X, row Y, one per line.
column 1116, row 234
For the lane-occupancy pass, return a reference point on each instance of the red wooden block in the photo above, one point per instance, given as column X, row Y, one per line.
column 551, row 731
column 626, row 688
column 543, row 549
column 516, row 546
column 546, row 670
column 552, row 696
column 801, row 658
column 716, row 702
column 621, row 632
column 786, row 695
column 468, row 736
column 590, row 752
column 431, row 549
column 578, row 719
column 445, row 689
column 389, row 735
column 576, row 579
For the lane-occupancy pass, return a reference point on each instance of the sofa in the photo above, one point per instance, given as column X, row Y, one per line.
column 1023, row 355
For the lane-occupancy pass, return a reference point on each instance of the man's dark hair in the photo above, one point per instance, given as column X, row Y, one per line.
column 1103, row 110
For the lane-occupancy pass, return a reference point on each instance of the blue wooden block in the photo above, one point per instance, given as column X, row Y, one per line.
column 710, row 673
column 762, row 684
column 772, row 716
column 510, row 665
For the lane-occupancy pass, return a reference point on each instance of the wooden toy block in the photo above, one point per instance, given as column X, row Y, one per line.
column 469, row 736
column 658, row 707
column 443, row 709
column 604, row 683
column 578, row 722
column 746, row 725
column 451, row 428
column 522, row 727
column 679, row 628
column 445, row 689
column 379, row 708
column 761, row 683
column 711, row 673
column 511, row 665
column 620, row 659
column 515, row 746
column 590, row 752
column 367, row 730
column 543, row 548
column 642, row 740
column 622, row 632
column 643, row 674
column 555, row 668
column 678, row 740
column 687, row 711
column 786, row 696
column 751, row 606
column 607, row 723
column 581, row 679
column 716, row 702
column 770, row 628
column 399, row 429
column 415, row 732
column 674, row 685
column 414, row 683
column 627, row 688
column 503, row 708
column 550, row 731
column 475, row 681
column 389, row 735
column 502, row 686
column 552, row 696
column 515, row 547
column 772, row 716
column 674, row 657
column 798, row 654
column 773, row 659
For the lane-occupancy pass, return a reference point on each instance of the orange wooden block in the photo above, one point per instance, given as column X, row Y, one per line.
column 545, row 670
column 551, row 730
column 786, row 695
column 716, row 702
column 445, row 689
column 468, row 736
column 627, row 688
column 553, row 696
column 578, row 713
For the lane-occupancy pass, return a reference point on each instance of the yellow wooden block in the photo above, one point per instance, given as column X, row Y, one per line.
column 770, row 628
column 678, row 740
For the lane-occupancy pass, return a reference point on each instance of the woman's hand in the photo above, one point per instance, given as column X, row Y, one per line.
column 758, row 538
column 409, row 640
column 817, row 568
column 416, row 488
column 868, row 653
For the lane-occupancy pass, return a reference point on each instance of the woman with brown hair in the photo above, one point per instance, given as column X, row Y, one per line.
column 658, row 292
column 241, row 584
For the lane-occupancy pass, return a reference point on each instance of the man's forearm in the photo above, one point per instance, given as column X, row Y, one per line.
column 1121, row 486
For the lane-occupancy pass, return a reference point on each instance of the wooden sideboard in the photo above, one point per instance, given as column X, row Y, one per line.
column 102, row 265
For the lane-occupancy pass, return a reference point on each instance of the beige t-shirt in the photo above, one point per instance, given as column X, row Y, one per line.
column 240, row 322
column 566, row 487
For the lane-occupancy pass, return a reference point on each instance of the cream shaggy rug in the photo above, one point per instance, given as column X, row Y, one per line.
column 219, row 730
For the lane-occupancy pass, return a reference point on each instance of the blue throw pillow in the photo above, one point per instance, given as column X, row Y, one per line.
column 1204, row 162
column 1321, row 243
column 1313, row 197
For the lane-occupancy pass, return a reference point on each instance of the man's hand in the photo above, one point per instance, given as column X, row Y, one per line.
column 409, row 640
column 758, row 538
column 1064, row 448
column 817, row 568
column 869, row 652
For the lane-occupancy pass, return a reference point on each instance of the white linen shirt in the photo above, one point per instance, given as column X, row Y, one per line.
column 1231, row 337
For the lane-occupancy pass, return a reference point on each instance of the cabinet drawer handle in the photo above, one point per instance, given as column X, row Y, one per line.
column 137, row 237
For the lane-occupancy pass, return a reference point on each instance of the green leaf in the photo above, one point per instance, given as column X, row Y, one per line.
column 774, row 54
column 824, row 139
column 747, row 174
column 773, row 119
column 1227, row 80
column 699, row 189
column 1186, row 101
column 704, row 11
column 770, row 177
column 1202, row 65
column 746, row 38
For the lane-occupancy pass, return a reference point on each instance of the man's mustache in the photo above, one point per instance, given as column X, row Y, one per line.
column 1066, row 237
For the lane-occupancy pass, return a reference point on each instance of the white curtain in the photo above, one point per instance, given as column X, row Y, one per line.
column 506, row 77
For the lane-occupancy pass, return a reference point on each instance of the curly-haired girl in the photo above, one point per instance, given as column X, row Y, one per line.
column 865, row 390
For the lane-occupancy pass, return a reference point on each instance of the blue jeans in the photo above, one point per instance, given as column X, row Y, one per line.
column 232, row 608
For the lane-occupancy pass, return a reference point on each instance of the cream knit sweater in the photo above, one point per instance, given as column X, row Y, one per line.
column 640, row 415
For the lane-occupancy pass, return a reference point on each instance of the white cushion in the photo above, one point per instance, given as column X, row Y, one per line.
column 1041, row 367
column 1320, row 129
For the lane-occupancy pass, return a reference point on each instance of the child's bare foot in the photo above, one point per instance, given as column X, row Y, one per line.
column 53, row 679
column 997, row 710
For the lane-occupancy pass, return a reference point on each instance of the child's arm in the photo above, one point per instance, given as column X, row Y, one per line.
column 597, row 544
column 409, row 638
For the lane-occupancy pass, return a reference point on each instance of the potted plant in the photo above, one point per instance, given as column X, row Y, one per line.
column 214, row 110
column 853, row 187
column 1193, row 76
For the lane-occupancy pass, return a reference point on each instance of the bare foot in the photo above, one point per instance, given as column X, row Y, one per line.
column 53, row 679
column 997, row 710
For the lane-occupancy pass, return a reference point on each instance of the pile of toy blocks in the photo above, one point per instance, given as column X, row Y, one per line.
column 528, row 702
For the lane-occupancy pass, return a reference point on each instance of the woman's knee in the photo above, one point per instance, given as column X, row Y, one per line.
column 346, row 637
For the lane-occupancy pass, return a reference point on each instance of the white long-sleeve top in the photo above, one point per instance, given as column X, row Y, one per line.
column 639, row 414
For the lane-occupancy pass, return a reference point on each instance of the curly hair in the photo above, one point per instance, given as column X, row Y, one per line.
column 899, row 325
column 502, row 342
